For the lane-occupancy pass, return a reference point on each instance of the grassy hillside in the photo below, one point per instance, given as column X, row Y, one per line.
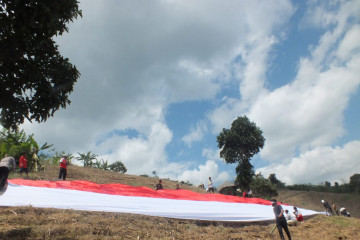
column 33, row 223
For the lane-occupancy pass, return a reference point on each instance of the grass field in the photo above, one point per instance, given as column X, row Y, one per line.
column 33, row 223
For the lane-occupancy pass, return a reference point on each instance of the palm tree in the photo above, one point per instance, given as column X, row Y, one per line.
column 87, row 158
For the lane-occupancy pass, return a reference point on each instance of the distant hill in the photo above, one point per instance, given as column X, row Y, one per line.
column 312, row 200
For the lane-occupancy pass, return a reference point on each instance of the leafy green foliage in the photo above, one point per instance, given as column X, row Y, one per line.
column 101, row 164
column 87, row 158
column 262, row 187
column 53, row 157
column 15, row 143
column 35, row 79
column 343, row 188
column 272, row 178
column 238, row 145
column 355, row 183
column 118, row 166
column 90, row 160
column 244, row 174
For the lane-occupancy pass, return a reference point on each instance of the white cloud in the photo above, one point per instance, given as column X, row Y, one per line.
column 349, row 46
column 318, row 165
column 141, row 155
column 135, row 61
column 201, row 174
column 307, row 113
column 196, row 133
column 137, row 58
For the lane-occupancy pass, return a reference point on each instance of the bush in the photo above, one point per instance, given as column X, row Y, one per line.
column 262, row 187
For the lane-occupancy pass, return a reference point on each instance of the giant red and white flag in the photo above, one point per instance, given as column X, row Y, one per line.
column 183, row 204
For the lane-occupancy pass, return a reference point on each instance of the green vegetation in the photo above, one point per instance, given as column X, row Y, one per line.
column 238, row 145
column 91, row 160
column 16, row 143
column 263, row 187
column 352, row 187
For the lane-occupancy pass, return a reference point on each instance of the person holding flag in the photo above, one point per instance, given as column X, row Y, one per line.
column 23, row 165
column 63, row 168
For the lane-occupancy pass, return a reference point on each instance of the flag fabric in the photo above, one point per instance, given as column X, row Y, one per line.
column 182, row 204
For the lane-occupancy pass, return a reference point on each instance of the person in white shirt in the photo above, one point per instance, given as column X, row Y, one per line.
column 290, row 218
column 210, row 186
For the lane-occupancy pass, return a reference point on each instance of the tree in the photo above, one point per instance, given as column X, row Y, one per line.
column 354, row 183
column 272, row 178
column 238, row 145
column 35, row 80
column 87, row 158
column 262, row 187
column 118, row 166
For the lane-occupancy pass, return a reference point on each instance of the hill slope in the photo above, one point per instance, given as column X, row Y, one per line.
column 32, row 223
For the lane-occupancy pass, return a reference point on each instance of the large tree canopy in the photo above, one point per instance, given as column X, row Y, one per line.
column 238, row 144
column 35, row 80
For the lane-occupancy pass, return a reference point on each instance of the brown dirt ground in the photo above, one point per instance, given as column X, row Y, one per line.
column 33, row 223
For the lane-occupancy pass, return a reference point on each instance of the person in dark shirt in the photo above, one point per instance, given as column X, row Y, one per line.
column 328, row 209
column 280, row 220
column 159, row 185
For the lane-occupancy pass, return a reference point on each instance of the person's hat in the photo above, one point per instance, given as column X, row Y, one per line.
column 322, row 201
column 273, row 201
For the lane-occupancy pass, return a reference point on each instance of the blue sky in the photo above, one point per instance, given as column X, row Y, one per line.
column 160, row 79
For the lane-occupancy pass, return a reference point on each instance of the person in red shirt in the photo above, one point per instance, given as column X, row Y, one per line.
column 63, row 168
column 23, row 165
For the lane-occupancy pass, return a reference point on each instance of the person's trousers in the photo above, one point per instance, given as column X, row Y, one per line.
column 4, row 173
column 62, row 173
column 283, row 225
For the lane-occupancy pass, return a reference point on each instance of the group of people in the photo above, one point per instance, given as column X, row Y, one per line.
column 332, row 209
column 8, row 163
column 247, row 193
column 285, row 218
column 159, row 186
column 210, row 186
column 293, row 218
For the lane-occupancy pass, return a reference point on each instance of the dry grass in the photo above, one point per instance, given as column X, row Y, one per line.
column 34, row 223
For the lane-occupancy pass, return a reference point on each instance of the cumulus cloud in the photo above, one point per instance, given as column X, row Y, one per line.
column 201, row 174
column 307, row 114
column 196, row 134
column 137, row 58
column 333, row 164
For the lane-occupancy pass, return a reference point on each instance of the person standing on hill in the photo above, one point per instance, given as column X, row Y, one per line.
column 5, row 165
column 328, row 209
column 210, row 186
column 280, row 220
column 334, row 208
column 63, row 168
column 23, row 165
column 159, row 186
